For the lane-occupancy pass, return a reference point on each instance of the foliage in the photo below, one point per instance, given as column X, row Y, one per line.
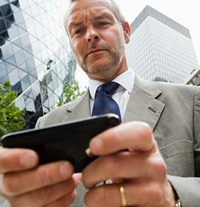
column 11, row 117
column 71, row 92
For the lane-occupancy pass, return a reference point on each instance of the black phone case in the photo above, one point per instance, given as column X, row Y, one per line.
column 66, row 141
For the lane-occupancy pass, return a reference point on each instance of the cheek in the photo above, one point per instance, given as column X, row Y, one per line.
column 78, row 48
column 115, row 36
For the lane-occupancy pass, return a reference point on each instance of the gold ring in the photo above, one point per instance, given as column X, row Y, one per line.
column 122, row 194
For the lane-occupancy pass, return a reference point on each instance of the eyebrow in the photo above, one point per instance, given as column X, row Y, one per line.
column 99, row 17
column 75, row 24
column 104, row 16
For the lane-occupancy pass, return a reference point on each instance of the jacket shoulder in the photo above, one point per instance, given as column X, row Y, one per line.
column 57, row 115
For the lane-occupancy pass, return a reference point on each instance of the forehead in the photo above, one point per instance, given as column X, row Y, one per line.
column 88, row 8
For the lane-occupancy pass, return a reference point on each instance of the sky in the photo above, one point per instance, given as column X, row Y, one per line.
column 185, row 12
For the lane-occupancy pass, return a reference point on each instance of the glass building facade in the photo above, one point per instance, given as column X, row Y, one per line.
column 34, row 53
column 160, row 48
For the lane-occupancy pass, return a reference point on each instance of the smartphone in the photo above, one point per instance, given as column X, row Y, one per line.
column 67, row 141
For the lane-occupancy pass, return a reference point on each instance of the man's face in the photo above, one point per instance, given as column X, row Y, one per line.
column 97, row 39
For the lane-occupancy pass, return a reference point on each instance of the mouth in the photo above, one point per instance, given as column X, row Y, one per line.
column 95, row 51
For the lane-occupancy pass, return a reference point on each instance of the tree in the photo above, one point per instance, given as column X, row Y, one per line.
column 71, row 92
column 11, row 117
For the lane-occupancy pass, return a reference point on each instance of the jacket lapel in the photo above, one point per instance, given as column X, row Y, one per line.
column 79, row 109
column 143, row 104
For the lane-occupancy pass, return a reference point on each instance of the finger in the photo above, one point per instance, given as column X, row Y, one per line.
column 48, row 196
column 124, row 165
column 17, row 159
column 44, row 175
column 134, row 135
column 138, row 194
column 64, row 201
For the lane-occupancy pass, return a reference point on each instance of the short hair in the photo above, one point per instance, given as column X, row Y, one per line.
column 117, row 11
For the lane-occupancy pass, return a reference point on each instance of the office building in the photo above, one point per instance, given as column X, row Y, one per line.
column 160, row 48
column 34, row 53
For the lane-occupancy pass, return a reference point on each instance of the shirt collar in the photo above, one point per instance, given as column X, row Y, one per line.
column 125, row 80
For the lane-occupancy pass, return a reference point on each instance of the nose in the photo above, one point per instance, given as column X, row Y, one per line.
column 92, row 35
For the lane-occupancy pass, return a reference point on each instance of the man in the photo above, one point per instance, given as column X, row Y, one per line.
column 158, row 119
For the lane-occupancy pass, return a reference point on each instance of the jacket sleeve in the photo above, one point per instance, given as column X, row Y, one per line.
column 188, row 189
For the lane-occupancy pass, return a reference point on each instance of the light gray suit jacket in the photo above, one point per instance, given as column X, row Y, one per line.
column 173, row 112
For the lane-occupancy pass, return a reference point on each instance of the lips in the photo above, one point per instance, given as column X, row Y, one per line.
column 93, row 51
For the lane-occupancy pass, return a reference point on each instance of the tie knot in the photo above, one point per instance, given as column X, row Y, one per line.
column 109, row 88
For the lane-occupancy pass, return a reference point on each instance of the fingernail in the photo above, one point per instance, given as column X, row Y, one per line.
column 78, row 177
column 28, row 159
column 65, row 170
column 88, row 152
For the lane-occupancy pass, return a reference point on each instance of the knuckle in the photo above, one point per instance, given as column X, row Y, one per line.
column 10, row 184
column 45, row 175
column 14, row 201
column 72, row 197
column 157, row 167
column 86, row 199
column 4, row 158
column 110, row 165
column 147, row 132
column 163, row 168
column 45, row 194
column 103, row 197
column 160, row 167
column 99, row 198
column 144, row 132
column 156, row 195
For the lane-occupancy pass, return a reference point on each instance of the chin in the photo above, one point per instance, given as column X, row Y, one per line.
column 99, row 67
column 97, row 70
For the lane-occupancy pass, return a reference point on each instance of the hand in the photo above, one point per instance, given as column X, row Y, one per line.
column 23, row 184
column 141, row 170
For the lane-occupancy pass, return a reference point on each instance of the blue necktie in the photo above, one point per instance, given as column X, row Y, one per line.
column 104, row 103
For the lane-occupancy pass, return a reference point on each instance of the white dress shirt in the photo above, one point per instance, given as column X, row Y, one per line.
column 121, row 95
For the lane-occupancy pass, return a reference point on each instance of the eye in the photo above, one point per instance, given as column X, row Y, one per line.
column 102, row 23
column 78, row 31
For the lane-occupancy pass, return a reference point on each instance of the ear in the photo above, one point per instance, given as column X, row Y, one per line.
column 127, row 32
